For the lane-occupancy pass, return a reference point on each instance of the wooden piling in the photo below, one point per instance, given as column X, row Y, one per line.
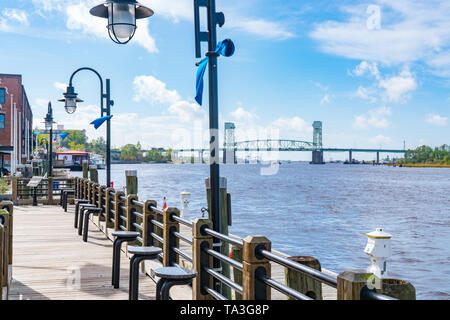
column 132, row 181
column 302, row 282
column 351, row 283
column 254, row 289
column 85, row 166
column 200, row 259
column 93, row 173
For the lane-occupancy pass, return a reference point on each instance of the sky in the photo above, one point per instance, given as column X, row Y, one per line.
column 376, row 73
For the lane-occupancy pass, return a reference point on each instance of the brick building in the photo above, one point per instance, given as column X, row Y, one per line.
column 16, row 122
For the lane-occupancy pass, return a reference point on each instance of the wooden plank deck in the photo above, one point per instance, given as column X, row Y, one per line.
column 52, row 262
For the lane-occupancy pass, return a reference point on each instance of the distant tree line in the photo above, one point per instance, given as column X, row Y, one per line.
column 78, row 140
column 426, row 154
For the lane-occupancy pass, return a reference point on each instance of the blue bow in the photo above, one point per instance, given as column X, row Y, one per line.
column 63, row 135
column 98, row 122
column 37, row 133
column 224, row 48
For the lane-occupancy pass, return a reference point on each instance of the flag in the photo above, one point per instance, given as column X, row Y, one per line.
column 99, row 121
column 64, row 135
column 224, row 48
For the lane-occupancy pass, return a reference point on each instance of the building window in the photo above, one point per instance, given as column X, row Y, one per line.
column 2, row 95
column 2, row 121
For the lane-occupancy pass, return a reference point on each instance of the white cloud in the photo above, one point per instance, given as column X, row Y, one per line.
column 436, row 120
column 376, row 118
column 262, row 28
column 154, row 91
column 367, row 67
column 241, row 115
column 410, row 31
column 381, row 140
column 60, row 86
column 325, row 99
column 366, row 94
column 150, row 89
column 292, row 124
column 16, row 15
column 397, row 87
column 186, row 111
column 10, row 19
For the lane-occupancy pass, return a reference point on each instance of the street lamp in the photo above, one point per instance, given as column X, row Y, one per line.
column 49, row 126
column 125, row 22
column 70, row 104
column 121, row 15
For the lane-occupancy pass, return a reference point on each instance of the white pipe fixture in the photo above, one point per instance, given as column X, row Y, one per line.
column 379, row 250
column 184, row 196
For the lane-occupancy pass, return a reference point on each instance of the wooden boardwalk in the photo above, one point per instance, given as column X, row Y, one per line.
column 52, row 262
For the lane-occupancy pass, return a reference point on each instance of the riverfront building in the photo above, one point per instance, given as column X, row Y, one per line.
column 16, row 122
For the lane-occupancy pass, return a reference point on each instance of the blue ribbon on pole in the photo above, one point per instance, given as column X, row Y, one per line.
column 63, row 135
column 99, row 121
column 37, row 133
column 224, row 48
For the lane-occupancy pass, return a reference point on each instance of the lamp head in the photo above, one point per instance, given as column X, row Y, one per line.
column 121, row 15
column 70, row 100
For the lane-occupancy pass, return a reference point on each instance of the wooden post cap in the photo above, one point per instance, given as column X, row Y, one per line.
column 131, row 173
column 250, row 245
column 197, row 226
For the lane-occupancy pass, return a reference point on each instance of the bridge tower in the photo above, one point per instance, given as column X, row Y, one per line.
column 317, row 154
column 229, row 143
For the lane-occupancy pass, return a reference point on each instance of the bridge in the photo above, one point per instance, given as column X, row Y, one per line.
column 282, row 145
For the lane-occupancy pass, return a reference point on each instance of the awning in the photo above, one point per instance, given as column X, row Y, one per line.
column 6, row 148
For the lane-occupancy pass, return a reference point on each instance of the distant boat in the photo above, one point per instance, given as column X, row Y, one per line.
column 71, row 159
column 98, row 161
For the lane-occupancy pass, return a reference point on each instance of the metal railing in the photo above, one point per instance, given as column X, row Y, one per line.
column 161, row 228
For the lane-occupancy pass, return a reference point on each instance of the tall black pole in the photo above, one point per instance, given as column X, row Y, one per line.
column 50, row 169
column 214, row 129
column 108, row 134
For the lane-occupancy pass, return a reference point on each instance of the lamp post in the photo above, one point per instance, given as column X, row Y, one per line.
column 49, row 126
column 121, row 16
column 70, row 103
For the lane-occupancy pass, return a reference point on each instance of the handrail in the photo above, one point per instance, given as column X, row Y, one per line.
column 182, row 237
column 224, row 258
column 214, row 293
column 236, row 242
column 183, row 254
column 224, row 279
column 283, row 288
column 185, row 222
column 313, row 273
column 372, row 294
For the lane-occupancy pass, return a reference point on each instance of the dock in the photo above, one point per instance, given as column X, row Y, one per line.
column 52, row 263
column 45, row 258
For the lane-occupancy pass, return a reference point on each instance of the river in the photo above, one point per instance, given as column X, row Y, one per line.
column 325, row 210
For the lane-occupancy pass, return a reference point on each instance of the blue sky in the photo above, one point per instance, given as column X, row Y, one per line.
column 376, row 73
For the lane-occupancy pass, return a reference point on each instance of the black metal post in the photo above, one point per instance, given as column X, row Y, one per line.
column 108, row 133
column 214, row 131
column 109, row 103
